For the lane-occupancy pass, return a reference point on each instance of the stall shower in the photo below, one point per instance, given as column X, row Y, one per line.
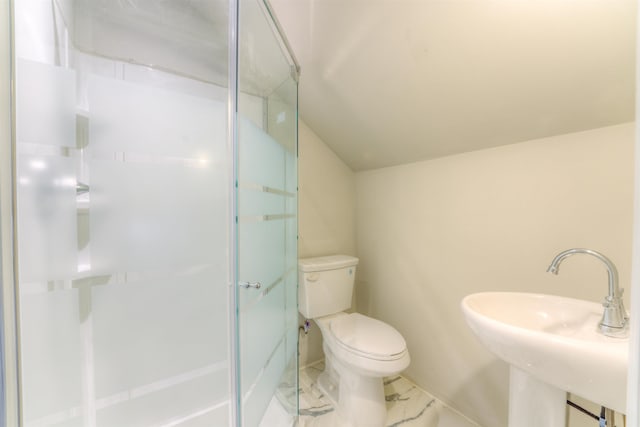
column 148, row 213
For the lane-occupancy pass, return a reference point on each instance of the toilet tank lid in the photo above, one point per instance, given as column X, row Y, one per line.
column 332, row 262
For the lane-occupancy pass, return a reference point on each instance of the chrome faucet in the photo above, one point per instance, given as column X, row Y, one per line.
column 615, row 321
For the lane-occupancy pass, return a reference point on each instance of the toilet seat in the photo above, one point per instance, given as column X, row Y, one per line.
column 367, row 337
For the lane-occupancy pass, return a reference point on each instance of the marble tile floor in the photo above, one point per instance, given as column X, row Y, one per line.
column 407, row 405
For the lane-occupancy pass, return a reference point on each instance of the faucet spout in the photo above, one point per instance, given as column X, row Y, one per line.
column 612, row 271
column 614, row 319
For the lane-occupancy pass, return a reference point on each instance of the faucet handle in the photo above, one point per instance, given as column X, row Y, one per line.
column 614, row 319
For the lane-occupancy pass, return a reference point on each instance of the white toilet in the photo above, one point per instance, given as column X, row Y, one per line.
column 358, row 350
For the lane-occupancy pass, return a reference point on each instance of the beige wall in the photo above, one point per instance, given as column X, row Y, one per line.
column 327, row 214
column 429, row 233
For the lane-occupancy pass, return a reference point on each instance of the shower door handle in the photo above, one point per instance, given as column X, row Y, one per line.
column 247, row 285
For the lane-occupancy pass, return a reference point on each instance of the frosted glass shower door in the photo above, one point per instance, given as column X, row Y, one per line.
column 267, row 222
column 268, row 256
column 158, row 229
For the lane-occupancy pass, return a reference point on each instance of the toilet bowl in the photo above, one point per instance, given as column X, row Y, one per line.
column 359, row 350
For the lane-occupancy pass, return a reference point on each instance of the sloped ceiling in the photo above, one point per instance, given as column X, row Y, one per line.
column 387, row 82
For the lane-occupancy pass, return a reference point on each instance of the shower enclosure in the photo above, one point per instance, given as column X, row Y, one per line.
column 148, row 214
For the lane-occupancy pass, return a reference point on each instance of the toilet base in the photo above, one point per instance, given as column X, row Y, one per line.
column 358, row 400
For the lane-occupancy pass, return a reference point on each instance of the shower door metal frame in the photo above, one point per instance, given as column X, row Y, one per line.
column 232, row 142
column 9, row 348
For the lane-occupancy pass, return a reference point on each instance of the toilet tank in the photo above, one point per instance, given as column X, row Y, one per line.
column 325, row 284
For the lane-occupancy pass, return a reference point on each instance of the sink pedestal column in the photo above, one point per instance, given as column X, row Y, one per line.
column 533, row 403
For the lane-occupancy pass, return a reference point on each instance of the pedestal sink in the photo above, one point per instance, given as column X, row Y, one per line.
column 553, row 346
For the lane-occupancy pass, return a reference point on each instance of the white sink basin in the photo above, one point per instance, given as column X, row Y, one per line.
column 555, row 340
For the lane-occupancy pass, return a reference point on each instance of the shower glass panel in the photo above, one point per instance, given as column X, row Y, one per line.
column 267, row 220
column 123, row 195
column 155, row 167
